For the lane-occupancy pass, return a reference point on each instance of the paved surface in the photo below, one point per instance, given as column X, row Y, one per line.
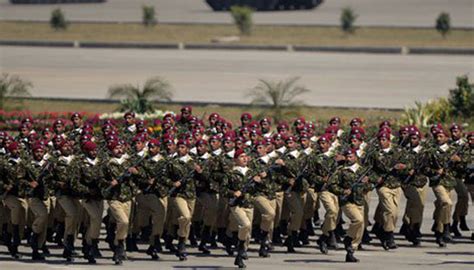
column 427, row 257
column 371, row 12
column 362, row 80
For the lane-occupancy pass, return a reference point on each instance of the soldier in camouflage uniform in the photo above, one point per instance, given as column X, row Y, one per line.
column 264, row 196
column 239, row 188
column 14, row 196
column 390, row 167
column 38, row 183
column 180, row 170
column 462, row 204
column 68, row 191
column 442, row 181
column 118, row 190
column 93, row 179
column 467, row 166
column 311, row 196
column 415, row 188
column 350, row 183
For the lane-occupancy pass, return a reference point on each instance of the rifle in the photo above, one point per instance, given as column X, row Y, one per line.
column 125, row 175
column 238, row 200
column 446, row 164
column 344, row 198
column 44, row 171
column 184, row 181
column 416, row 170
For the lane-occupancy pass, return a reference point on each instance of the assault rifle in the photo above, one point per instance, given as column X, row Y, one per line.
column 126, row 174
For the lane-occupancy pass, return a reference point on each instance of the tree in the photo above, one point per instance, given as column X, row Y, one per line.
column 13, row 86
column 443, row 24
column 242, row 18
column 140, row 100
column 58, row 20
column 462, row 97
column 279, row 97
column 348, row 18
column 149, row 16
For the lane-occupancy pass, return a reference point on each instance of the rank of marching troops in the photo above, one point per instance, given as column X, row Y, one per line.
column 200, row 184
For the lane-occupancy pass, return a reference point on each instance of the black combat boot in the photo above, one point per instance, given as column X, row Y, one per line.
column 152, row 249
column 405, row 230
column 181, row 253
column 131, row 243
column 463, row 223
column 119, row 253
column 290, row 241
column 60, row 229
column 332, row 242
column 366, row 238
column 88, row 254
column 322, row 243
column 36, row 255
column 391, row 241
column 205, row 236
column 440, row 240
column 228, row 245
column 192, row 235
column 454, row 229
column 309, row 227
column 303, row 237
column 350, row 251
column 264, row 248
column 16, row 240
column 447, row 233
column 169, row 243
column 276, row 237
column 239, row 259
column 95, row 248
column 68, row 251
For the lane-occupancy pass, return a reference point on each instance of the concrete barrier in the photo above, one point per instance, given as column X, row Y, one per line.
column 128, row 45
column 37, row 43
column 392, row 50
column 456, row 51
column 234, row 47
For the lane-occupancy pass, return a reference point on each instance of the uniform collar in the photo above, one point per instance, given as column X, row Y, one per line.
column 295, row 153
column 444, row 147
column 265, row 159
column 242, row 170
column 217, row 152
column 157, row 157
column 354, row 167
column 92, row 162
column 416, row 149
column 230, row 153
column 67, row 159
column 119, row 160
column 273, row 154
column 39, row 163
column 185, row 158
column 206, row 156
column 132, row 128
column 308, row 151
column 281, row 150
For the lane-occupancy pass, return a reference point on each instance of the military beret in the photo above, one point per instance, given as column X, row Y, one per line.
column 58, row 122
column 86, row 137
column 269, row 141
column 437, row 131
column 76, row 114
column 187, row 109
column 350, row 151
column 383, row 134
column 259, row 142
column 385, row 129
column 291, row 138
column 201, row 142
column 132, row 114
column 184, row 142
column 404, row 129
column 213, row 115
column 37, row 146
column 304, row 135
column 385, row 123
column 13, row 146
column 282, row 126
column 335, row 119
column 357, row 136
column 279, row 136
column 111, row 145
column 265, row 120
column 470, row 134
column 89, row 146
column 331, row 129
column 415, row 133
column 455, row 126
column 238, row 153
column 2, row 134
column 255, row 132
column 357, row 130
column 246, row 116
column 299, row 120
column 154, row 142
column 324, row 138
column 215, row 138
column 356, row 120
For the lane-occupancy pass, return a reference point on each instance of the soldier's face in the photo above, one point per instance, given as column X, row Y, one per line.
column 261, row 150
column 117, row 152
column 182, row 150
column 441, row 138
column 154, row 150
column 229, row 145
column 244, row 121
column 202, row 149
column 265, row 126
column 384, row 143
column 129, row 120
column 270, row 147
column 324, row 146
column 38, row 154
column 242, row 160
column 215, row 144
column 59, row 128
column 351, row 158
column 66, row 149
column 24, row 131
column 355, row 143
column 456, row 134
column 92, row 154
column 139, row 145
column 291, row 144
column 171, row 148
column 76, row 121
column 414, row 141
column 305, row 143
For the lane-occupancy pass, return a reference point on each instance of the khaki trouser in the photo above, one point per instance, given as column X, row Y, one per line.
column 266, row 208
column 279, row 197
column 330, row 202
column 157, row 207
column 72, row 209
column 462, row 203
column 366, row 208
column 40, row 211
column 121, row 212
column 310, row 205
column 355, row 214
column 210, row 204
column 184, row 212
column 94, row 209
column 296, row 201
column 443, row 206
column 243, row 217
column 18, row 208
column 416, row 198
column 389, row 201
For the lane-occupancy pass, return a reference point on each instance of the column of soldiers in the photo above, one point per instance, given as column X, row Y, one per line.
column 193, row 182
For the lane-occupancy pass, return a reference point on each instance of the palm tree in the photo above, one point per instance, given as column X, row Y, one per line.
column 140, row 100
column 13, row 86
column 279, row 97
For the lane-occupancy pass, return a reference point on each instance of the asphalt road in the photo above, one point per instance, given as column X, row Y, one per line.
column 427, row 257
column 371, row 12
column 355, row 80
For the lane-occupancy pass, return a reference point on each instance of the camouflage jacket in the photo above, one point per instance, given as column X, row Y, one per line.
column 292, row 169
column 347, row 177
column 266, row 187
column 467, row 156
column 14, row 175
column 439, row 158
column 117, row 168
column 154, row 167
column 41, row 173
column 417, row 157
column 204, row 182
column 182, row 169
column 383, row 166
column 92, row 177
column 219, row 166
column 320, row 167
column 238, row 179
column 66, row 177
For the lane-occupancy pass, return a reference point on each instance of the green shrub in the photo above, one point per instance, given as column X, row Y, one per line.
column 149, row 16
column 242, row 18
column 462, row 98
column 443, row 24
column 348, row 18
column 58, row 20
